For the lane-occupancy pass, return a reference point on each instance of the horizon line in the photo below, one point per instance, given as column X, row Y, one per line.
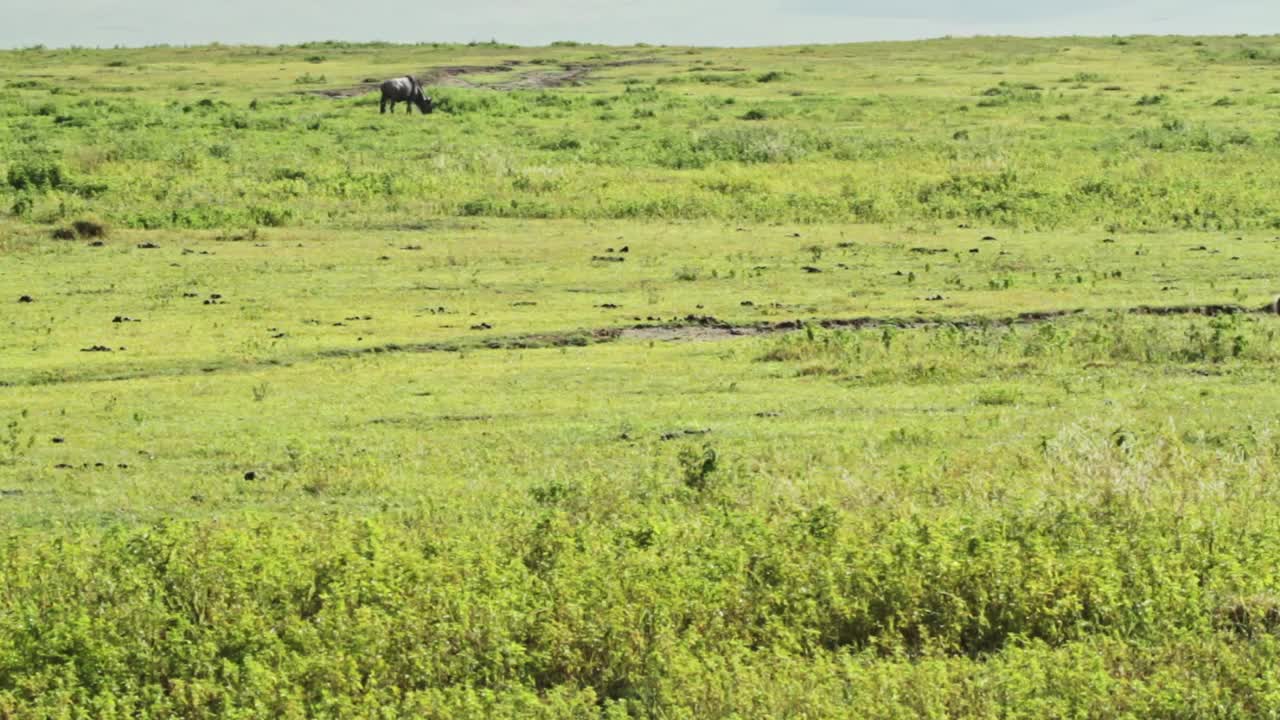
column 44, row 47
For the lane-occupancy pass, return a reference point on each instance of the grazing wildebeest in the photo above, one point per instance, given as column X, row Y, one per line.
column 405, row 89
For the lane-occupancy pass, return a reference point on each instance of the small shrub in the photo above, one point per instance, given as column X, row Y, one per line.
column 38, row 174
column 998, row 397
column 697, row 466
column 89, row 229
column 271, row 216
column 288, row 174
column 1087, row 77
column 688, row 274
column 755, row 114
column 477, row 208
column 22, row 206
column 563, row 143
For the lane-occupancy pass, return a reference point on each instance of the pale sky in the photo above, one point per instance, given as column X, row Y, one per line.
column 105, row 23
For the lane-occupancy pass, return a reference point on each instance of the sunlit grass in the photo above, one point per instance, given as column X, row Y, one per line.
column 311, row 412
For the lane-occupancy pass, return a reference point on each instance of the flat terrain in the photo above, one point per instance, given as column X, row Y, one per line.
column 895, row 380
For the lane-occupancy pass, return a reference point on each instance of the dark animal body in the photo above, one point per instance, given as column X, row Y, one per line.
column 405, row 89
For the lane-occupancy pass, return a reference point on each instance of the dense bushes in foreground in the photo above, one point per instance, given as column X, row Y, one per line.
column 1127, row 578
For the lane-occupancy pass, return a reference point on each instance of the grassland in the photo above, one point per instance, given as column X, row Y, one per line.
column 714, row 383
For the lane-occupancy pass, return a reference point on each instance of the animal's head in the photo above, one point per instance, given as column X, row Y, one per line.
column 423, row 101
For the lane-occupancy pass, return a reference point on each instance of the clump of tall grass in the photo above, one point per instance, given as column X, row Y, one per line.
column 947, row 352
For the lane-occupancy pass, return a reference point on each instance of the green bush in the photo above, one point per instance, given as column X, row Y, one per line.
column 37, row 174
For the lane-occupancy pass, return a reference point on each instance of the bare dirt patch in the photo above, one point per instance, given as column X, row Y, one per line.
column 456, row 76
column 446, row 75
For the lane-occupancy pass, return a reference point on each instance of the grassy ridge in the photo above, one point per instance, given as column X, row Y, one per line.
column 1148, row 133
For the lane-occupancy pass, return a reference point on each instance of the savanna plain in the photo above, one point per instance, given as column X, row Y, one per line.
column 929, row 379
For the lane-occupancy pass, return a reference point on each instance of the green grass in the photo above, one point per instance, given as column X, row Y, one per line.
column 441, row 448
column 1040, row 134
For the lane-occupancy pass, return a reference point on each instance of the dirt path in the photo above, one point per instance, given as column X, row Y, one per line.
column 456, row 76
column 692, row 328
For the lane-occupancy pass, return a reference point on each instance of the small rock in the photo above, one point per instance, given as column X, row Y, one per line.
column 685, row 433
column 147, row 246
column 251, row 475
column 57, row 440
column 26, row 299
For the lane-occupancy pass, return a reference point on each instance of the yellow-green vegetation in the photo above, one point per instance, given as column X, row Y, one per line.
column 902, row 380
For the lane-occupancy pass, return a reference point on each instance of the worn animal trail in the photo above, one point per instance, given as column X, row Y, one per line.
column 691, row 328
column 572, row 73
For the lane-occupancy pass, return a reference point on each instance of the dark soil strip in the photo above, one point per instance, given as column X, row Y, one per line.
column 703, row 327
column 577, row 338
column 687, row 329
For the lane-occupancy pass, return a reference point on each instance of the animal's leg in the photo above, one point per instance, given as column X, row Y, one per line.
column 382, row 107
